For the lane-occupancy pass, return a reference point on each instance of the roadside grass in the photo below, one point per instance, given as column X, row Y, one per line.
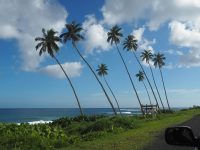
column 136, row 139
column 90, row 132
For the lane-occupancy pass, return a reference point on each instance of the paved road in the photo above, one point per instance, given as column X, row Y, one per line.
column 160, row 144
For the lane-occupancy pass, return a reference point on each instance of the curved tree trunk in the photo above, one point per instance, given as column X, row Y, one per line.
column 147, row 80
column 95, row 77
column 112, row 95
column 156, row 87
column 164, row 89
column 81, row 111
column 147, row 92
column 130, row 78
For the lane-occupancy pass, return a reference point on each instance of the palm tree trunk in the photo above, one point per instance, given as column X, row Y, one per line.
column 95, row 77
column 164, row 89
column 156, row 86
column 81, row 111
column 112, row 95
column 130, row 78
column 147, row 80
column 147, row 92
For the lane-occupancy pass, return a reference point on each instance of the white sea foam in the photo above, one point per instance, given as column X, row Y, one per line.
column 127, row 112
column 37, row 122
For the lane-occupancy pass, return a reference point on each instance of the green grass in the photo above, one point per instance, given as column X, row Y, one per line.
column 139, row 137
column 90, row 132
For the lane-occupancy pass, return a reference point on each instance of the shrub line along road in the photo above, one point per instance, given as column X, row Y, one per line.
column 160, row 144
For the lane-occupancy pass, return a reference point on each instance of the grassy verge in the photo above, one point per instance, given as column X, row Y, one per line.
column 138, row 138
column 94, row 132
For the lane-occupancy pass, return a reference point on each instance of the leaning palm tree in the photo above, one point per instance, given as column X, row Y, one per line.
column 147, row 56
column 114, row 38
column 159, row 62
column 130, row 44
column 48, row 44
column 73, row 34
column 140, row 76
column 102, row 71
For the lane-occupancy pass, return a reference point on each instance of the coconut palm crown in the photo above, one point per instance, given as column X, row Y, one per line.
column 114, row 35
column 48, row 42
column 130, row 43
column 102, row 70
column 146, row 56
column 159, row 60
column 73, row 33
column 140, row 75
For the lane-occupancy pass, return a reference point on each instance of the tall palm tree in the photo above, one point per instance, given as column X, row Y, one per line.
column 130, row 44
column 102, row 71
column 73, row 34
column 114, row 38
column 140, row 76
column 48, row 44
column 159, row 62
column 147, row 56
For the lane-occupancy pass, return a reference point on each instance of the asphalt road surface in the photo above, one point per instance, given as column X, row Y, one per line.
column 160, row 144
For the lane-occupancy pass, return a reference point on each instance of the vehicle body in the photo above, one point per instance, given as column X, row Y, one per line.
column 182, row 136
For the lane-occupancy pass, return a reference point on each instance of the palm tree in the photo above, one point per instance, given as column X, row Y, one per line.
column 48, row 44
column 130, row 44
column 114, row 38
column 73, row 34
column 159, row 62
column 140, row 76
column 147, row 56
column 102, row 71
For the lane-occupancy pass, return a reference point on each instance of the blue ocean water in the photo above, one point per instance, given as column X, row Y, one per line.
column 31, row 115
column 19, row 115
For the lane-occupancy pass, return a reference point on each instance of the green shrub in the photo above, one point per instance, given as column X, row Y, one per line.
column 100, row 125
column 123, row 122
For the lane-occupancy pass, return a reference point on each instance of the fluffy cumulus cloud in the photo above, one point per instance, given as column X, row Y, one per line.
column 95, row 36
column 143, row 43
column 73, row 69
column 23, row 20
column 186, row 34
column 181, row 15
column 156, row 12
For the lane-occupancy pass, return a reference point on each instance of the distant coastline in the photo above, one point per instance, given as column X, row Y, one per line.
column 45, row 115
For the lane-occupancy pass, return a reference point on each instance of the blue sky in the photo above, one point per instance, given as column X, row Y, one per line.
column 30, row 81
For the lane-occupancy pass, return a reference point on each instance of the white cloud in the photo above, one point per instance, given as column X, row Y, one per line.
column 184, row 91
column 183, row 35
column 118, row 11
column 95, row 36
column 174, row 52
column 182, row 15
column 73, row 69
column 156, row 12
column 23, row 20
column 186, row 34
column 143, row 43
column 139, row 33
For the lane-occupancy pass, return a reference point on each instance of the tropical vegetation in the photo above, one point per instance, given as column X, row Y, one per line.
column 159, row 62
column 73, row 34
column 47, row 43
column 147, row 56
column 90, row 132
column 140, row 76
column 102, row 71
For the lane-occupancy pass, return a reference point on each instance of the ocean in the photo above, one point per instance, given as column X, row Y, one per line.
column 45, row 115
column 42, row 115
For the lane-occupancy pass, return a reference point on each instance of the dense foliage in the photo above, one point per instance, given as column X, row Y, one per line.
column 61, row 132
